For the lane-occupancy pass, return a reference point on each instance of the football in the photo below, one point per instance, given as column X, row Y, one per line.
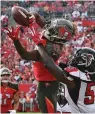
column 20, row 15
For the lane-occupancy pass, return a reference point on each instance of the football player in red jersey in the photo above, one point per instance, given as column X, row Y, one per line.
column 8, row 93
column 52, row 39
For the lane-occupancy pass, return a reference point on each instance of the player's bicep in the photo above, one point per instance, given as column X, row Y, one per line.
column 33, row 55
column 27, row 55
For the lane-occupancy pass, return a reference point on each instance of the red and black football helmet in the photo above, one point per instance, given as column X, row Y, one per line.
column 84, row 60
column 60, row 31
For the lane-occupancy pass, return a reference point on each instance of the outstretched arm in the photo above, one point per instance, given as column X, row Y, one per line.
column 33, row 55
column 57, row 72
column 13, row 34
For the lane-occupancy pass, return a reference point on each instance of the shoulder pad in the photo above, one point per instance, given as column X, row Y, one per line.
column 77, row 73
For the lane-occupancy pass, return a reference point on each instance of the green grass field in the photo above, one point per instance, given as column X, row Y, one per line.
column 28, row 113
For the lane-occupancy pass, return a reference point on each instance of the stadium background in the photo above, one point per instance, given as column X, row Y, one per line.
column 82, row 13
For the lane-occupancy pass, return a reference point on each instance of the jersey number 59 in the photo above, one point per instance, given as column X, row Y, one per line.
column 90, row 93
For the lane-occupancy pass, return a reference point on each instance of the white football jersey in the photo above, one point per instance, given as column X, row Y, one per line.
column 65, row 108
column 81, row 99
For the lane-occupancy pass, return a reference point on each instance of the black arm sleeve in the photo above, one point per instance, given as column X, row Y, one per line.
column 62, row 65
column 57, row 72
column 33, row 55
column 41, row 21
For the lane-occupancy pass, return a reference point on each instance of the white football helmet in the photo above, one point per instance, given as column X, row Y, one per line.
column 5, row 74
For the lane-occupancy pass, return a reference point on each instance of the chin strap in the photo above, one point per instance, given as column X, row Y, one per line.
column 89, row 72
column 57, row 40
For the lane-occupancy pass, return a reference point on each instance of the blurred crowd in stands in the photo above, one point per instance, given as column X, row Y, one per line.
column 68, row 9
column 76, row 11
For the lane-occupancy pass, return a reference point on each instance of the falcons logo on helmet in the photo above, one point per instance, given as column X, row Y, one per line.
column 87, row 58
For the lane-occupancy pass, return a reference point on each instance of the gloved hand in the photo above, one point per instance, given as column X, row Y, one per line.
column 12, row 33
column 36, row 36
column 12, row 111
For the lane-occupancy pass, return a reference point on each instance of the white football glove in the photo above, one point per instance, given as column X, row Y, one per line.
column 12, row 111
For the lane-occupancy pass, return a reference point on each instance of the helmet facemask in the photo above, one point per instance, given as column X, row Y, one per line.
column 76, row 60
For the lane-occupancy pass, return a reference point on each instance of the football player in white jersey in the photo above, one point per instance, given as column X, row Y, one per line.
column 81, row 71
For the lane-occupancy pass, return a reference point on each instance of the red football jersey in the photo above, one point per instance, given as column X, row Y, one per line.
column 41, row 73
column 6, row 96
